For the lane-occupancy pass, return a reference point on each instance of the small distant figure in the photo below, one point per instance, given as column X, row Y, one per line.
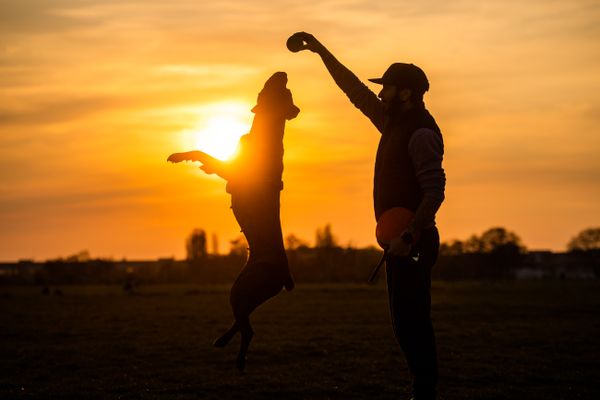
column 130, row 285
column 254, row 182
column 408, row 190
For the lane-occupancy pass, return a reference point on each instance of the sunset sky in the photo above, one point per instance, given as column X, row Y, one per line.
column 94, row 95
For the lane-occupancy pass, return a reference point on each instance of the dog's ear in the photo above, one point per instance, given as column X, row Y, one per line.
column 292, row 111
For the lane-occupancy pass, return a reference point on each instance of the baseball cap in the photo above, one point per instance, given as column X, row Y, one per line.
column 406, row 76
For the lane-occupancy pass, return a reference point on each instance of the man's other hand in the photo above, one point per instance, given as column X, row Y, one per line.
column 399, row 248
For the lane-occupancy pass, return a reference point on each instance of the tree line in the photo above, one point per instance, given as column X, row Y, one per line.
column 497, row 240
column 497, row 253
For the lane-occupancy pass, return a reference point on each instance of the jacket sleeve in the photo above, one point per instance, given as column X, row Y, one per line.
column 426, row 150
column 358, row 93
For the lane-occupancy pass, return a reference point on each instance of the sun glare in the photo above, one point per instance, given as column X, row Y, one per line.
column 220, row 128
column 220, row 136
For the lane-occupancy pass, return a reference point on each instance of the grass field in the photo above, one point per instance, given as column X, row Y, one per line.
column 498, row 340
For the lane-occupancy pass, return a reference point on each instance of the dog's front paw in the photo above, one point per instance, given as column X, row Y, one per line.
column 177, row 157
column 208, row 169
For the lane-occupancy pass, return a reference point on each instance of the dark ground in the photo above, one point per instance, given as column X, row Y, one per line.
column 499, row 340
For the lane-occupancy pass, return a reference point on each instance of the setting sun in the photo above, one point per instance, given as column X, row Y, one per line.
column 220, row 128
column 220, row 137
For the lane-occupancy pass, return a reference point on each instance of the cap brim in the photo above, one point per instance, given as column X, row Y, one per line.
column 378, row 81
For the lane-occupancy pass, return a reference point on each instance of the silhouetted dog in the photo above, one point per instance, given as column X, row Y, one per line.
column 254, row 182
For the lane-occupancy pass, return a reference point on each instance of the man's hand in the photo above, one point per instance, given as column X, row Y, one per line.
column 309, row 42
column 399, row 248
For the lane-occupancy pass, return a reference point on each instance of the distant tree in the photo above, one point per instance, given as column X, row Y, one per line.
column 239, row 247
column 196, row 245
column 586, row 240
column 454, row 248
column 325, row 238
column 293, row 242
column 215, row 243
column 494, row 254
column 472, row 245
column 494, row 240
column 82, row 256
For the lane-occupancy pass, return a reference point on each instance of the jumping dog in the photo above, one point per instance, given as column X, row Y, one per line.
column 254, row 183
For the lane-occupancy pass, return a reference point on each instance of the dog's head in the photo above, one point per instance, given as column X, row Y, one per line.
column 276, row 99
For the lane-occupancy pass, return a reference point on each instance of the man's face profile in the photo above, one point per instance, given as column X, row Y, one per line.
column 387, row 93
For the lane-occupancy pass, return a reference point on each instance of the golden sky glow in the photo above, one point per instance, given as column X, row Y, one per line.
column 94, row 95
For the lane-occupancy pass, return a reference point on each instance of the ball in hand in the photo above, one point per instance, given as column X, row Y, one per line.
column 294, row 43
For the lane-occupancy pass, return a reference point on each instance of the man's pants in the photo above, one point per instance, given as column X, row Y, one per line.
column 409, row 291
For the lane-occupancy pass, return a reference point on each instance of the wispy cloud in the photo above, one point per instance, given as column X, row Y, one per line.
column 21, row 17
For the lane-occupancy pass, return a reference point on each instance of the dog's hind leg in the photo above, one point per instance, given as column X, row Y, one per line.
column 224, row 339
column 247, row 334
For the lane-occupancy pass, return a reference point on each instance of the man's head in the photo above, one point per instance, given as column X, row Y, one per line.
column 402, row 82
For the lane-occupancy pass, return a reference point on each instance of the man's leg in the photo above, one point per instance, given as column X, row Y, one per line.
column 409, row 291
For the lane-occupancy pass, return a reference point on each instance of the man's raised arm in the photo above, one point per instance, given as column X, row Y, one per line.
column 358, row 93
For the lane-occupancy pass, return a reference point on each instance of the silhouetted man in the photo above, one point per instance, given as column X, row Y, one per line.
column 408, row 175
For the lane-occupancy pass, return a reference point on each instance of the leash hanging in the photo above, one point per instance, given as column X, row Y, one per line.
column 377, row 267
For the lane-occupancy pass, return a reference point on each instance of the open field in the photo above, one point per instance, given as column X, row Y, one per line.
column 497, row 340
